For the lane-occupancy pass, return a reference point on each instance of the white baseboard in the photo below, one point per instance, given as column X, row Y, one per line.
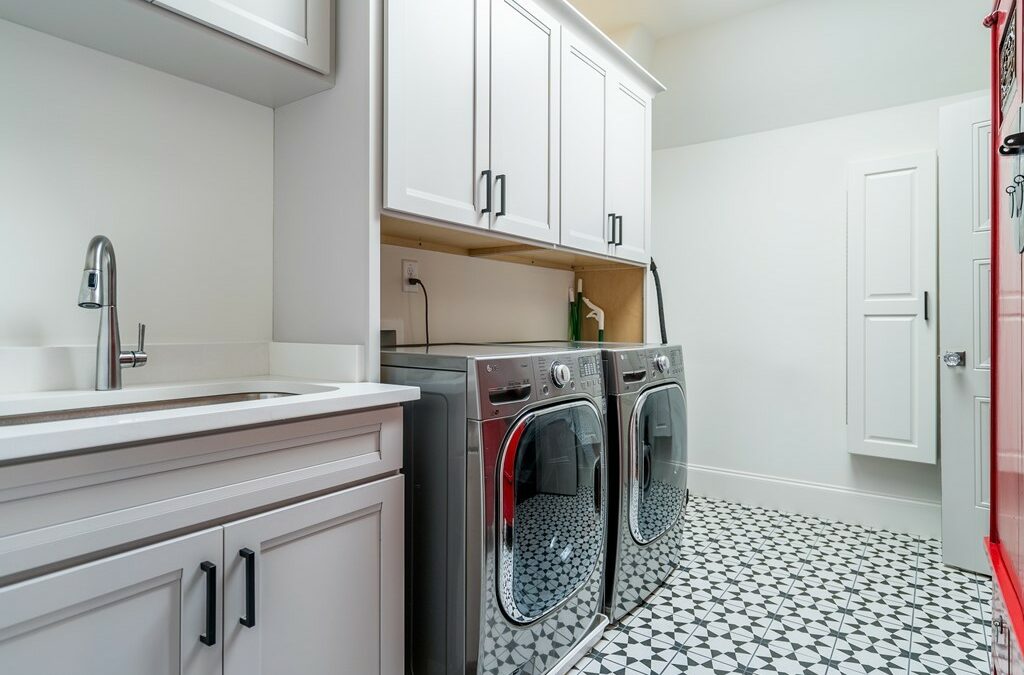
column 900, row 514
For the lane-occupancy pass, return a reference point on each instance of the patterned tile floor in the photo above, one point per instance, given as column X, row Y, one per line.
column 759, row 591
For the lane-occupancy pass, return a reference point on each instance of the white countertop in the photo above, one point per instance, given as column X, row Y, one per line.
column 27, row 442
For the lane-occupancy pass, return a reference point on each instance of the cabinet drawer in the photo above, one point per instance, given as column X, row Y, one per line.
column 67, row 507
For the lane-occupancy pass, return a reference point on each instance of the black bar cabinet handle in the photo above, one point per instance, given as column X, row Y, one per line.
column 486, row 175
column 504, row 189
column 926, row 305
column 611, row 235
column 249, row 620
column 619, row 241
column 209, row 638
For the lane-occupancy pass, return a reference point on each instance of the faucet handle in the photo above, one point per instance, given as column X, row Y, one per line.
column 142, row 338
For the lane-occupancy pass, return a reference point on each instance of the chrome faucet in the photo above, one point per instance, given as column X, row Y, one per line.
column 99, row 291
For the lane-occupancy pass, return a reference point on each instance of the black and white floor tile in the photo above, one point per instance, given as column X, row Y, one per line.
column 759, row 591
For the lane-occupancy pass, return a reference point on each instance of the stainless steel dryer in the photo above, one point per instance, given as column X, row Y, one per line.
column 646, row 420
column 506, row 507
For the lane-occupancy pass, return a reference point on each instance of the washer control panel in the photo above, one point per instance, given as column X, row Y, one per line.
column 569, row 373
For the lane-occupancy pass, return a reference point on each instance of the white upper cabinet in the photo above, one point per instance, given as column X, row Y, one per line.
column 629, row 167
column 586, row 223
column 511, row 122
column 272, row 52
column 299, row 30
column 435, row 125
column 525, row 46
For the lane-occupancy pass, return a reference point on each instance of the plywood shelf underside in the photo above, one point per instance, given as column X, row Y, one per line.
column 400, row 230
column 617, row 287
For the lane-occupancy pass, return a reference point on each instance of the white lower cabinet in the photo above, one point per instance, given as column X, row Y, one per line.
column 315, row 587
column 137, row 612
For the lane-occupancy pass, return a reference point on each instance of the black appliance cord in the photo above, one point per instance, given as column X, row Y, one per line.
column 661, row 303
column 426, row 309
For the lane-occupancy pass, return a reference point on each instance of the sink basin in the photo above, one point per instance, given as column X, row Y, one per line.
column 137, row 407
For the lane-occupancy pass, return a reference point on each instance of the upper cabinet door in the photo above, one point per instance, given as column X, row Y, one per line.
column 317, row 587
column 435, row 120
column 585, row 222
column 298, row 30
column 629, row 162
column 525, row 44
column 138, row 612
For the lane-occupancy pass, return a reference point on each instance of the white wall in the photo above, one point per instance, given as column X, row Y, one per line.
column 805, row 60
column 750, row 239
column 327, row 176
column 178, row 175
column 472, row 299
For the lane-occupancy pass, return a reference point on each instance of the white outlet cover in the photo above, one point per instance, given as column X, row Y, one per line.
column 410, row 270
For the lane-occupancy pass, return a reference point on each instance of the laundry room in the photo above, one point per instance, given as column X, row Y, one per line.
column 512, row 337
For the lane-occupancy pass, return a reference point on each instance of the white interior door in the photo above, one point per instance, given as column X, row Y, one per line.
column 325, row 579
column 435, row 121
column 892, row 327
column 965, row 277
column 138, row 612
column 629, row 162
column 525, row 48
column 585, row 223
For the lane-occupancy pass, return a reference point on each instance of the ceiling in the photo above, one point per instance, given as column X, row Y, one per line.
column 664, row 17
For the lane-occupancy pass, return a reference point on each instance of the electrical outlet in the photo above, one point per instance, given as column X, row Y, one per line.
column 410, row 270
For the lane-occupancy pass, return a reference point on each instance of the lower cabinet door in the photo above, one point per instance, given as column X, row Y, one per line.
column 317, row 587
column 138, row 612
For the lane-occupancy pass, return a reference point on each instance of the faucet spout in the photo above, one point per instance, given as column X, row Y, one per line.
column 99, row 291
column 99, row 277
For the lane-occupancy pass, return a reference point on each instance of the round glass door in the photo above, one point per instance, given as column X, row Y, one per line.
column 551, row 518
column 657, row 469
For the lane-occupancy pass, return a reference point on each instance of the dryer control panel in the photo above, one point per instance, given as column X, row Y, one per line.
column 665, row 363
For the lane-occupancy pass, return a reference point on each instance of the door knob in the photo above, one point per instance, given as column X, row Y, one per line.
column 954, row 359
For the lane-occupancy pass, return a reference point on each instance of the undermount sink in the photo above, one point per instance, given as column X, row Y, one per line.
column 137, row 407
column 20, row 412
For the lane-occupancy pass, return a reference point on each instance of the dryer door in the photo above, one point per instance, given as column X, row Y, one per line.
column 657, row 462
column 551, row 515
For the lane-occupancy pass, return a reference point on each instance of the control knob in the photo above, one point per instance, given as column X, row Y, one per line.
column 661, row 363
column 560, row 374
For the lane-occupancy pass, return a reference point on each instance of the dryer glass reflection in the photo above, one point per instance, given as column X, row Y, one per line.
column 659, row 463
column 555, row 541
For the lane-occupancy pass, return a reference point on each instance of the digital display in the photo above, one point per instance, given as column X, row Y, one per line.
column 588, row 366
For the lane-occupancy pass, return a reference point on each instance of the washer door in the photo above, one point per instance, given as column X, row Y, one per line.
column 657, row 458
column 551, row 515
